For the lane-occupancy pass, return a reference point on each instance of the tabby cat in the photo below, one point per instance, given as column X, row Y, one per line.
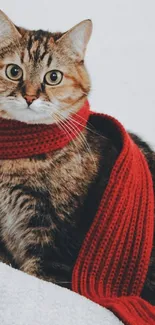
column 43, row 207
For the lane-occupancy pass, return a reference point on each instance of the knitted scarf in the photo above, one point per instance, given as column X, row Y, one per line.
column 113, row 262
column 21, row 140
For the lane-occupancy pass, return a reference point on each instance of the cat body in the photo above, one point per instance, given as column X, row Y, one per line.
column 48, row 201
column 47, row 194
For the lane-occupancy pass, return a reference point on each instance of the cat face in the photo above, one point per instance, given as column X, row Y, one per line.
column 42, row 75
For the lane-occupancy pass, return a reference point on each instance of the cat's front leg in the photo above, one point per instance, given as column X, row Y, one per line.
column 30, row 265
column 26, row 226
column 38, row 240
column 5, row 257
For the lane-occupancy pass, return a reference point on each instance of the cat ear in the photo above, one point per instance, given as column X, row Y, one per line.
column 8, row 31
column 77, row 38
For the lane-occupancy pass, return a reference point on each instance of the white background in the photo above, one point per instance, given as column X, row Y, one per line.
column 120, row 56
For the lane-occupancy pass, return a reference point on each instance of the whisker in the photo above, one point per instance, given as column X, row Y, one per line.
column 83, row 138
column 72, row 128
column 85, row 142
column 91, row 129
column 67, row 129
column 88, row 123
column 64, row 128
column 74, row 142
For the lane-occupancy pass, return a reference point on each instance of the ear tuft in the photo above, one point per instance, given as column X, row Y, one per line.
column 77, row 38
column 8, row 31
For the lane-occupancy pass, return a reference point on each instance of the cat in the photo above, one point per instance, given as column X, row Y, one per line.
column 44, row 208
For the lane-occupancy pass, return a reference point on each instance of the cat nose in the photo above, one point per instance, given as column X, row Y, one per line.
column 30, row 99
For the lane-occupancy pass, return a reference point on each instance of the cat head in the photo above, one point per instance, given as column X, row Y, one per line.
column 43, row 78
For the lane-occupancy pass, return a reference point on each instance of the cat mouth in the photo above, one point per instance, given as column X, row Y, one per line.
column 26, row 114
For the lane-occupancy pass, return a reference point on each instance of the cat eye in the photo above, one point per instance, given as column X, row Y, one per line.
column 53, row 78
column 14, row 72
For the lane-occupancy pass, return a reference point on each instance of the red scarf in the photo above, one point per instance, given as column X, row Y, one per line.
column 21, row 140
column 113, row 262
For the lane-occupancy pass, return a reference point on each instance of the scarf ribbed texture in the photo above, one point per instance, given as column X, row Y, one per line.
column 21, row 140
column 113, row 261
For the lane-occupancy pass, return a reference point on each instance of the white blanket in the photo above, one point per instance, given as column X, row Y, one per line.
column 26, row 300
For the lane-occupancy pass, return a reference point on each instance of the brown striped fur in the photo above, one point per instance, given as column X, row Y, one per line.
column 47, row 202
